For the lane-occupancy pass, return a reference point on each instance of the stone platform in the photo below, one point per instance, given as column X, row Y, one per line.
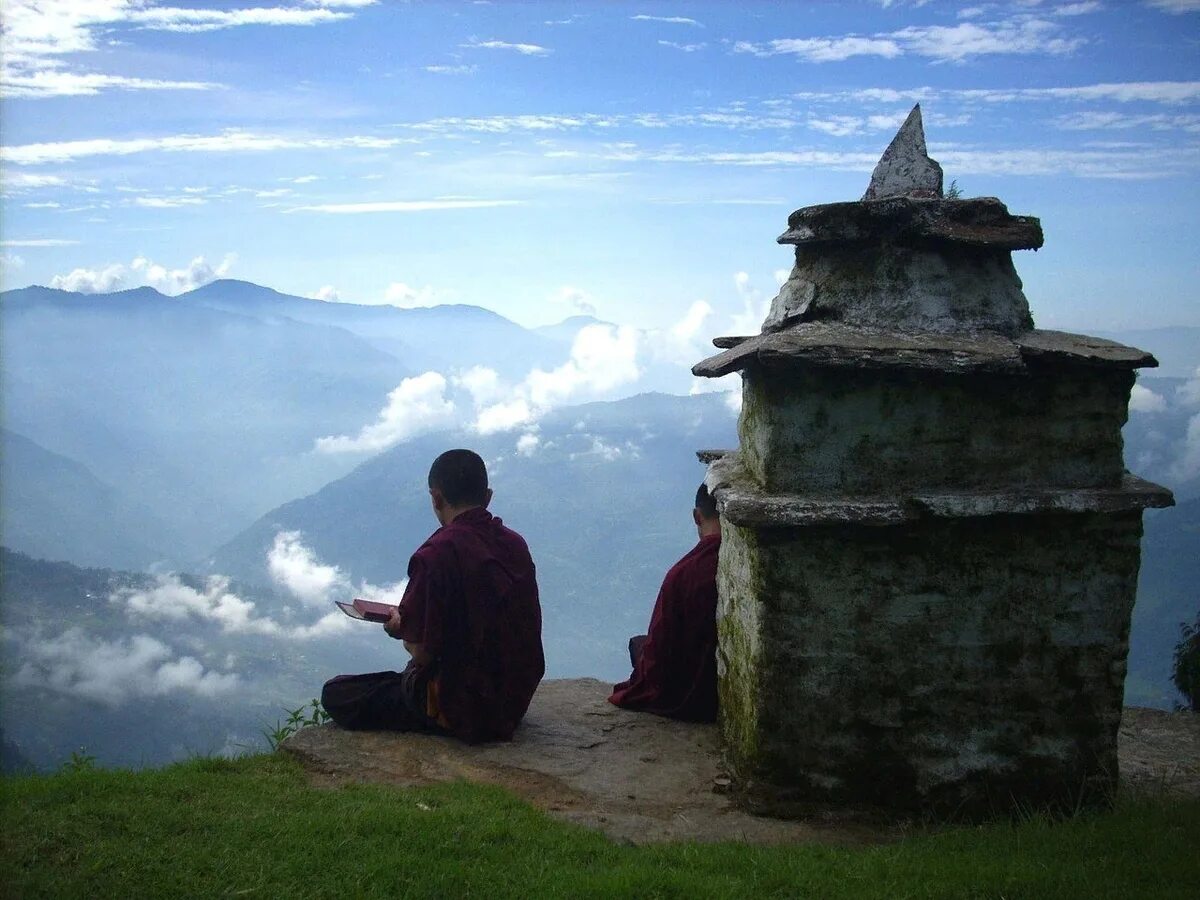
column 644, row 779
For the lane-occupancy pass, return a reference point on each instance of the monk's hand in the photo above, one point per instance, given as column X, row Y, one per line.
column 392, row 626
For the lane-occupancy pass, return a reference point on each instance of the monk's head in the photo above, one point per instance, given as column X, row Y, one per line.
column 705, row 513
column 457, row 482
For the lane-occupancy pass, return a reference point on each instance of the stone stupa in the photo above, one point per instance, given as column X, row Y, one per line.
column 930, row 541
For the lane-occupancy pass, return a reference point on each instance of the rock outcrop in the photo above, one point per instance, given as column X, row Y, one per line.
column 644, row 779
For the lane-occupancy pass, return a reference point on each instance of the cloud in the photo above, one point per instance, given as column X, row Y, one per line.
column 38, row 36
column 941, row 43
column 1144, row 400
column 603, row 357
column 39, row 242
column 169, row 598
column 169, row 202
column 527, row 444
column 754, row 306
column 142, row 272
column 416, row 406
column 228, row 141
column 1097, row 120
column 679, row 344
column 822, row 49
column 1174, row 7
column 579, row 301
column 670, row 20
column 326, row 292
column 400, row 294
column 294, row 566
column 523, row 49
column 1187, row 465
column 1167, row 92
column 482, row 383
column 452, row 70
column 686, row 48
column 111, row 672
column 378, row 206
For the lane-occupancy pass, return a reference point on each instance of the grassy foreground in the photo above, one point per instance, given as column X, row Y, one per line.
column 253, row 828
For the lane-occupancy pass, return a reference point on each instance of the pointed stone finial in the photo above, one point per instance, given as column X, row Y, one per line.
column 905, row 169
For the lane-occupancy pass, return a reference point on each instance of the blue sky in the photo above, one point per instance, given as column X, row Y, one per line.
column 631, row 159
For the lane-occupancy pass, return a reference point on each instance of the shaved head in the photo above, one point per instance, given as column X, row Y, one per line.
column 461, row 477
column 706, row 505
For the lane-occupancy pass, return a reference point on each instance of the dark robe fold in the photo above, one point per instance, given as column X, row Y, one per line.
column 472, row 603
column 676, row 672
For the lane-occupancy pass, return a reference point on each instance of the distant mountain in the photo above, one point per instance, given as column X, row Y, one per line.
column 565, row 331
column 54, row 508
column 604, row 500
column 205, row 416
column 1168, row 594
column 440, row 338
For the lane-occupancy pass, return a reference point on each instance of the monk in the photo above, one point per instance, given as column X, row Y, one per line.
column 470, row 619
column 675, row 665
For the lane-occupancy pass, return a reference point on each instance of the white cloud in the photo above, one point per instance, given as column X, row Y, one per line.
column 822, row 49
column 1188, row 393
column 504, row 416
column 400, row 294
column 579, row 301
column 1144, row 400
column 686, row 48
column 482, row 383
column 228, row 141
column 941, row 43
column 681, row 344
column 1174, row 7
column 416, row 406
column 754, row 306
column 295, row 567
column 169, row 202
column 39, row 36
column 527, row 444
column 111, row 672
column 326, row 292
column 523, row 49
column 1187, row 466
column 452, row 70
column 39, row 242
column 603, row 357
column 670, row 20
column 170, row 598
column 143, row 272
column 377, row 206
column 1108, row 120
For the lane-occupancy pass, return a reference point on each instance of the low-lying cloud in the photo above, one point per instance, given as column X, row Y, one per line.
column 113, row 672
column 142, row 272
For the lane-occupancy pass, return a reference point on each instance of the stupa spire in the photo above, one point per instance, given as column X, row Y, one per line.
column 905, row 169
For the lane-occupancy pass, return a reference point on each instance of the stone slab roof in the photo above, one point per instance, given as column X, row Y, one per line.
column 742, row 502
column 847, row 346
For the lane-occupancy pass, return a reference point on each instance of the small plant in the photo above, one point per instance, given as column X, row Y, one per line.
column 954, row 192
column 1186, row 672
column 296, row 719
column 79, row 761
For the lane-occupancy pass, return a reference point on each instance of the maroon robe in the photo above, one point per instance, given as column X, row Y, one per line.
column 472, row 603
column 676, row 674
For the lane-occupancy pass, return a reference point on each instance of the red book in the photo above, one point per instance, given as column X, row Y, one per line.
column 367, row 610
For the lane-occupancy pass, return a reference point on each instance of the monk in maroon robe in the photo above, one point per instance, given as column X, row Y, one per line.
column 470, row 619
column 675, row 665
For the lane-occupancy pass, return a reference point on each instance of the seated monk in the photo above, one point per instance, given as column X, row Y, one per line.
column 675, row 665
column 470, row 619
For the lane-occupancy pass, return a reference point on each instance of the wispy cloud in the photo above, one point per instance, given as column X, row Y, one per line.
column 686, row 48
column 1175, row 7
column 452, row 70
column 669, row 20
column 416, row 406
column 523, row 49
column 941, row 43
column 169, row 202
column 40, row 36
column 230, row 141
column 378, row 206
column 1165, row 92
column 38, row 242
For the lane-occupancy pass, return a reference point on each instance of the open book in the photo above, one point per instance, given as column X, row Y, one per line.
column 367, row 610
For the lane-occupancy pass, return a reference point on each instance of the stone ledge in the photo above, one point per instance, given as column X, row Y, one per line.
column 831, row 345
column 980, row 222
column 644, row 779
column 742, row 502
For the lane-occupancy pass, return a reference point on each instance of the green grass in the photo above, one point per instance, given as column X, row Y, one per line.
column 253, row 828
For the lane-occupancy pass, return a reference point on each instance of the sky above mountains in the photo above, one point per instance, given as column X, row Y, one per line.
column 631, row 160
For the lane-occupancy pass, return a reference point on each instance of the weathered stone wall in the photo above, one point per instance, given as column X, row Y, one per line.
column 950, row 664
column 923, row 289
column 822, row 430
